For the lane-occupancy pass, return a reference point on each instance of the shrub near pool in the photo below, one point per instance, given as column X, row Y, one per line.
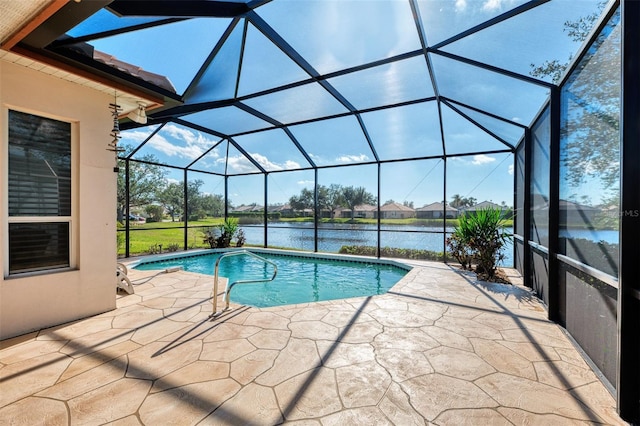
column 393, row 252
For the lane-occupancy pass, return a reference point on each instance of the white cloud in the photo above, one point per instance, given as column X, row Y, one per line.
column 135, row 136
column 491, row 5
column 461, row 5
column 289, row 164
column 264, row 162
column 511, row 168
column 179, row 133
column 318, row 159
column 212, row 155
column 352, row 158
column 195, row 144
column 270, row 165
column 240, row 164
column 305, row 182
column 479, row 160
column 210, row 161
column 161, row 144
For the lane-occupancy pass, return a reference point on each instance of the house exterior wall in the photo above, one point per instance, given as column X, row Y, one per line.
column 397, row 214
column 570, row 217
column 30, row 302
column 432, row 214
column 429, row 214
column 366, row 212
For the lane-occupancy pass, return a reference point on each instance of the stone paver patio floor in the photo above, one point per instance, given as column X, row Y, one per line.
column 440, row 348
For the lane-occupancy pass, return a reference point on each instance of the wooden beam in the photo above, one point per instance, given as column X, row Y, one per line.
column 39, row 19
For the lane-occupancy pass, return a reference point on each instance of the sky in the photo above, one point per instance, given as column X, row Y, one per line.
column 331, row 36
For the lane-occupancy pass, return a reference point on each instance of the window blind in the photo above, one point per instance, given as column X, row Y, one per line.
column 39, row 189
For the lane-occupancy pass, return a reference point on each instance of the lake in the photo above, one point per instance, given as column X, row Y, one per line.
column 332, row 236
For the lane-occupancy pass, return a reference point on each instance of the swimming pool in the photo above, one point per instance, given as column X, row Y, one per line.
column 300, row 279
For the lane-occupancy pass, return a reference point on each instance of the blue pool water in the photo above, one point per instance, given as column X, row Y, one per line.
column 299, row 279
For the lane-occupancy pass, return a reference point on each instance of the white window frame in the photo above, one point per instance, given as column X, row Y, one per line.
column 72, row 255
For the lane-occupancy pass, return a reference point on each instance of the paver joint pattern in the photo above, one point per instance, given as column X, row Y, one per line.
column 440, row 349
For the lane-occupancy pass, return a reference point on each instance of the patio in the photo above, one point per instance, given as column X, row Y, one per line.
column 440, row 348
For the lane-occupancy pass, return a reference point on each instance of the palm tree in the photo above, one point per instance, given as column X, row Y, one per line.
column 456, row 201
column 469, row 202
column 355, row 196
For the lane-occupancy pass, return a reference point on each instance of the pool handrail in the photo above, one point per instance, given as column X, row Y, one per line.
column 230, row 286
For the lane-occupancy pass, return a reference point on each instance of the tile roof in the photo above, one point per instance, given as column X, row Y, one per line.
column 396, row 207
column 435, row 207
column 133, row 70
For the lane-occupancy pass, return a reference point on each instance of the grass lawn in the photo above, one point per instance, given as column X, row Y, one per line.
column 210, row 221
column 145, row 237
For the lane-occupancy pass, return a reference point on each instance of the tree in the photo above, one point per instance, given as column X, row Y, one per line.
column 154, row 213
column 407, row 204
column 212, row 204
column 145, row 182
column 456, row 201
column 331, row 197
column 590, row 131
column 469, row 202
column 460, row 202
column 199, row 205
column 334, row 198
column 194, row 200
column 578, row 31
column 172, row 199
column 303, row 201
column 355, row 196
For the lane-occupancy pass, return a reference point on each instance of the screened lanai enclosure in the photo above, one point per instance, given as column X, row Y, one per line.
column 326, row 125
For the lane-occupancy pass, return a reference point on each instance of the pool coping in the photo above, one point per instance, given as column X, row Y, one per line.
column 305, row 254
column 406, row 268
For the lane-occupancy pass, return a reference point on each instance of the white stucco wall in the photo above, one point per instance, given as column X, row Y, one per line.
column 33, row 302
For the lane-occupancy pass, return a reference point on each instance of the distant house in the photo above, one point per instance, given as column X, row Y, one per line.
column 341, row 212
column 249, row 208
column 283, row 209
column 435, row 211
column 366, row 211
column 279, row 208
column 571, row 213
column 483, row 206
column 506, row 211
column 576, row 214
column 363, row 211
column 396, row 211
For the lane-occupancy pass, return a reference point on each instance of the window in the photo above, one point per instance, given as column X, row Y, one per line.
column 39, row 192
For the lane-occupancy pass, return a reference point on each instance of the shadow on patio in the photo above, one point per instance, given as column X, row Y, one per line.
column 440, row 347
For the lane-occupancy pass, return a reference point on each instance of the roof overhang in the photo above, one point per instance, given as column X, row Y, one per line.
column 49, row 21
